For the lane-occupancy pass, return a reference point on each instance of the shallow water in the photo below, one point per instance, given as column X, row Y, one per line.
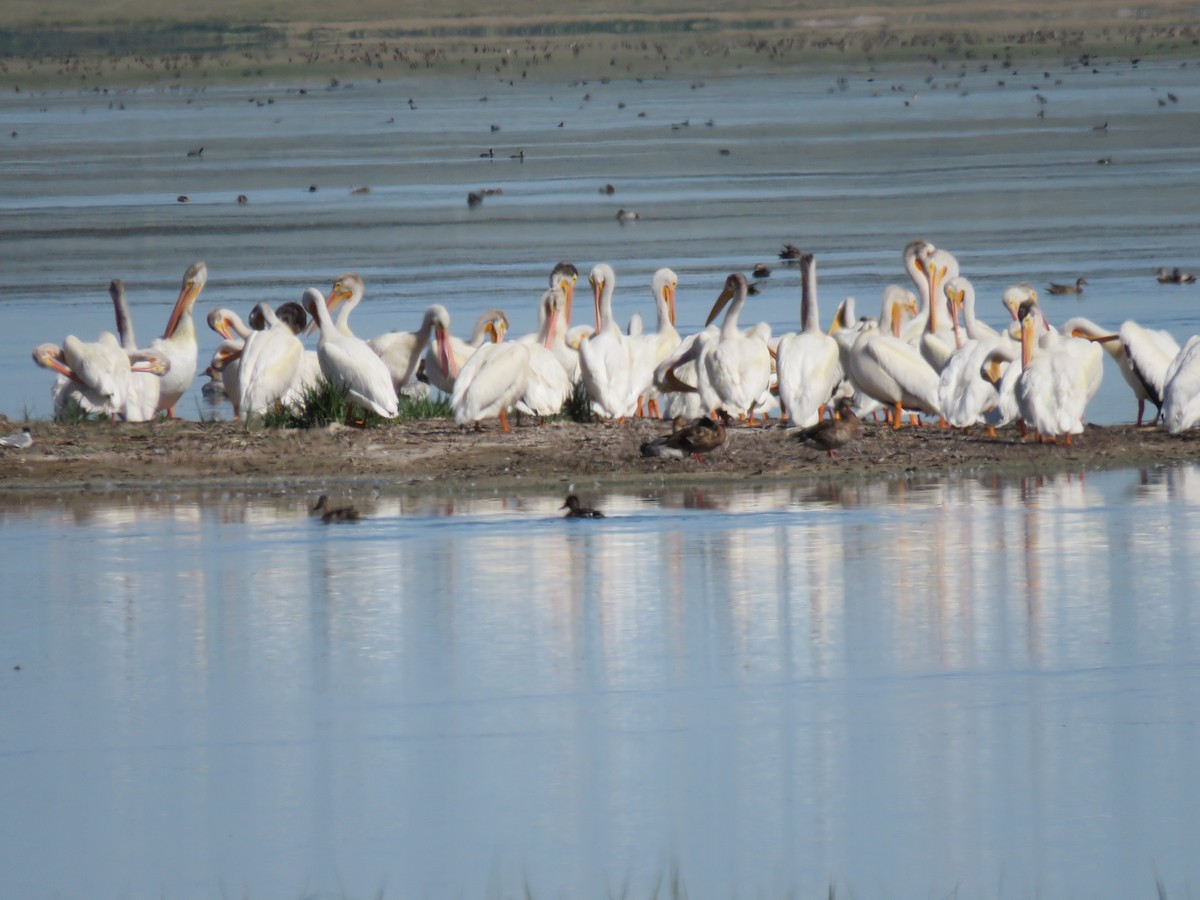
column 973, row 687
column 947, row 153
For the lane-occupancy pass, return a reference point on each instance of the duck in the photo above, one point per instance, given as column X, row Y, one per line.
column 699, row 435
column 832, row 434
column 575, row 511
column 333, row 514
column 1060, row 289
column 1174, row 276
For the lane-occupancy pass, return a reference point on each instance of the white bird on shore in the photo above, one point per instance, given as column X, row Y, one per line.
column 547, row 386
column 738, row 365
column 349, row 364
column 604, row 359
column 1056, row 384
column 1181, row 393
column 178, row 343
column 147, row 367
column 490, row 382
column 647, row 351
column 889, row 369
column 20, row 440
column 808, row 363
column 446, row 354
column 401, row 351
column 270, row 365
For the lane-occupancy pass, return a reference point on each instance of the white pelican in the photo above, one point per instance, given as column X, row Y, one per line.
column 145, row 381
column 937, row 341
column 808, row 363
column 547, row 384
column 890, row 370
column 604, row 360
column 738, row 366
column 648, row 351
column 401, row 351
column 349, row 364
column 347, row 292
column 1056, row 384
column 1181, row 392
column 1142, row 355
column 960, row 290
column 490, row 382
column 682, row 382
column 447, row 354
column 270, row 364
column 178, row 343
column 95, row 376
column 227, row 358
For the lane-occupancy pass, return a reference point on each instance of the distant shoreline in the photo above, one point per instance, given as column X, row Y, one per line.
column 91, row 56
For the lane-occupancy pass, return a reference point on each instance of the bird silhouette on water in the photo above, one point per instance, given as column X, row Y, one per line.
column 575, row 511
column 333, row 514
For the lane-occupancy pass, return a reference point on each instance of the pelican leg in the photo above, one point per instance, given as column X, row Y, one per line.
column 915, row 420
column 504, row 422
column 652, row 408
column 821, row 412
column 991, row 431
column 641, row 413
column 1141, row 411
column 897, row 416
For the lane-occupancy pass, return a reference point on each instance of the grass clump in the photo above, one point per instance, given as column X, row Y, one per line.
column 578, row 406
column 321, row 405
column 432, row 406
column 71, row 412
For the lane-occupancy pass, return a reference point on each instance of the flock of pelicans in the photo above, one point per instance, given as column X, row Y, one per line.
column 926, row 354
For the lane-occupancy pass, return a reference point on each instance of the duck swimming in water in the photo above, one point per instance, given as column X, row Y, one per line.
column 575, row 511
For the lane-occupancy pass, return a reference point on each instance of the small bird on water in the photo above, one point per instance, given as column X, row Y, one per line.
column 1174, row 276
column 687, row 438
column 334, row 514
column 21, row 440
column 575, row 511
column 1076, row 288
column 832, row 434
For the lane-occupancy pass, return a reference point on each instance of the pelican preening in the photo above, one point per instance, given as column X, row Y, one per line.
column 738, row 364
column 178, row 343
column 350, row 365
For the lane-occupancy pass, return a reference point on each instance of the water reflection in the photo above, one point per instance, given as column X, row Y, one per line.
column 919, row 684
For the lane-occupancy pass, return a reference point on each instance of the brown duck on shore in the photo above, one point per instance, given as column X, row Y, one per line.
column 695, row 437
column 1076, row 288
column 1174, row 276
column 832, row 434
column 331, row 515
column 575, row 511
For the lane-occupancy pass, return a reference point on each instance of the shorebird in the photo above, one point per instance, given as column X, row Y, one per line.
column 21, row 440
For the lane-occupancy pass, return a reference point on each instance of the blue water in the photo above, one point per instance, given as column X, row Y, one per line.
column 971, row 687
column 945, row 153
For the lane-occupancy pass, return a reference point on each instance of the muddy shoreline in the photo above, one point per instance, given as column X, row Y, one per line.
column 437, row 456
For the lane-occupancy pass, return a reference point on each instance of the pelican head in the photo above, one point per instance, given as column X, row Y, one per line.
column 50, row 356
column 194, row 280
column 563, row 276
column 292, row 314
column 735, row 287
column 348, row 287
column 226, row 323
column 603, row 279
column 313, row 300
column 149, row 361
column 665, row 283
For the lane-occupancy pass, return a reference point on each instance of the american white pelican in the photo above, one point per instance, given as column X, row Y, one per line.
column 1181, row 393
column 447, row 354
column 1056, row 384
column 349, row 364
column 146, row 366
column 937, row 342
column 604, row 360
column 564, row 276
column 962, row 293
column 401, row 351
column 234, row 331
column 890, row 370
column 808, row 364
column 95, row 376
column 347, row 293
column 547, row 386
column 178, row 343
column 682, row 383
column 648, row 351
column 270, row 365
column 1142, row 355
column 489, row 383
column 738, row 366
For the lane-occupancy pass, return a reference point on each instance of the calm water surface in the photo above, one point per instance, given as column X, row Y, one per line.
column 965, row 687
column 954, row 154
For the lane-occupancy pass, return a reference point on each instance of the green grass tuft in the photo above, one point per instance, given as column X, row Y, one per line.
column 435, row 406
column 323, row 404
column 71, row 413
column 578, row 406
